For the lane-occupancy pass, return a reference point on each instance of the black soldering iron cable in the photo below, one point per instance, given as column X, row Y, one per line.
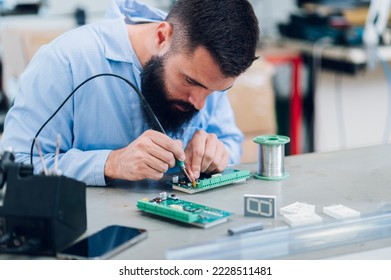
column 150, row 112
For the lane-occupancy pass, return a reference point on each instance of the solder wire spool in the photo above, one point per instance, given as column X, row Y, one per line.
column 271, row 157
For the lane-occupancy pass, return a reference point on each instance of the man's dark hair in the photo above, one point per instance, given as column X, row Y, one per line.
column 228, row 29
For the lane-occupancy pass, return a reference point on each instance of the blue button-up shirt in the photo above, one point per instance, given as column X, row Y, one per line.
column 105, row 114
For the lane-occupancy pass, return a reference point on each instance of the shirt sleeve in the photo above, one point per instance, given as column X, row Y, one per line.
column 44, row 86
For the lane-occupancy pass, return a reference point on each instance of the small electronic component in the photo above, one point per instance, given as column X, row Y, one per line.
column 260, row 206
column 182, row 166
column 303, row 218
column 207, row 182
column 299, row 214
column 184, row 211
column 340, row 212
column 246, row 228
column 297, row 207
column 163, row 195
column 175, row 179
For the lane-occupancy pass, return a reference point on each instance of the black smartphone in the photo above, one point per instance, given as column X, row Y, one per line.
column 104, row 243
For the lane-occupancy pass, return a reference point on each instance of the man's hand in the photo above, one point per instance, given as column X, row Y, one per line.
column 205, row 153
column 148, row 157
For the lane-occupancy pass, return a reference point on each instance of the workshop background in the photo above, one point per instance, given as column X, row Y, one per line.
column 322, row 103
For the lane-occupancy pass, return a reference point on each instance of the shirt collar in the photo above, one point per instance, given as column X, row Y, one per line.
column 114, row 33
column 134, row 11
column 116, row 41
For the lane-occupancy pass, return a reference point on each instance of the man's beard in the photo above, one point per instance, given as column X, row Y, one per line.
column 154, row 91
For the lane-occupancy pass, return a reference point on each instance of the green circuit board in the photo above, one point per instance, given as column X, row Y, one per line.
column 207, row 181
column 184, row 211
